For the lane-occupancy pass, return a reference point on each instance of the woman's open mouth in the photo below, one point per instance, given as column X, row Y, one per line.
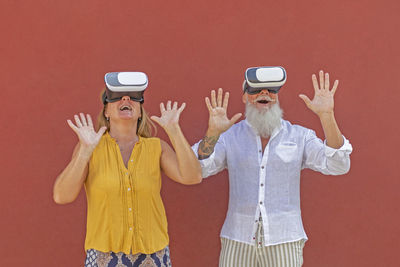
column 123, row 108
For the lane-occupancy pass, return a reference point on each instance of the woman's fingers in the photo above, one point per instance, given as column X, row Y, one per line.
column 83, row 119
column 73, row 127
column 162, row 107
column 156, row 119
column 175, row 105
column 335, row 85
column 182, row 107
column 327, row 81
column 89, row 120
column 77, row 121
column 101, row 131
column 168, row 105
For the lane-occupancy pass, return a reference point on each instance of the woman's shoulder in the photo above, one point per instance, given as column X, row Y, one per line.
column 150, row 140
column 153, row 144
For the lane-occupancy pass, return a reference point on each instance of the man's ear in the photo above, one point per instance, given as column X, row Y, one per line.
column 244, row 98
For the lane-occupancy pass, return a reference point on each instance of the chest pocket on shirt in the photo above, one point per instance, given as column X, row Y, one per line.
column 286, row 151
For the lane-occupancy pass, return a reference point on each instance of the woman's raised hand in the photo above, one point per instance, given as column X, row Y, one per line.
column 169, row 115
column 84, row 129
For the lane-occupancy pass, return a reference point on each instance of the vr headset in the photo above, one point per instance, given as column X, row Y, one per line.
column 264, row 78
column 119, row 84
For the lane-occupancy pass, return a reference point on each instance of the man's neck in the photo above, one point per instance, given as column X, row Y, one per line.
column 264, row 142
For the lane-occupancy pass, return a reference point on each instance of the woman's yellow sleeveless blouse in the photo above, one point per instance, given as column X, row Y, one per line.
column 125, row 211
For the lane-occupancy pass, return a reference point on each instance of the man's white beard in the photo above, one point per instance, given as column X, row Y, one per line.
column 265, row 121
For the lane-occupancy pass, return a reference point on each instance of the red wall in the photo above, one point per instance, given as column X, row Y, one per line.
column 53, row 58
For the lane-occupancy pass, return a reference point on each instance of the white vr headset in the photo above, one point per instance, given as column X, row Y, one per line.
column 264, row 78
column 119, row 84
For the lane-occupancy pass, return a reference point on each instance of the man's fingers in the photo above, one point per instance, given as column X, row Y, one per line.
column 321, row 79
column 226, row 101
column 306, row 100
column 327, row 81
column 175, row 105
column 78, row 122
column 219, row 99
column 213, row 100
column 208, row 104
column 83, row 119
column 235, row 118
column 169, row 105
column 335, row 85
column 315, row 82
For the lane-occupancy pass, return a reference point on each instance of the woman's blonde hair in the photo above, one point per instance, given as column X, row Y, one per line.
column 144, row 128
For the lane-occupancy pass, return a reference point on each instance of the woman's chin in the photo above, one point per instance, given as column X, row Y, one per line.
column 126, row 118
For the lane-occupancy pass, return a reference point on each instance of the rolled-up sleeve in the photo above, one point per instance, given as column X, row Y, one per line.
column 327, row 160
column 216, row 162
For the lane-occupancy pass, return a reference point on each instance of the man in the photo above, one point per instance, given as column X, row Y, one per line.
column 264, row 155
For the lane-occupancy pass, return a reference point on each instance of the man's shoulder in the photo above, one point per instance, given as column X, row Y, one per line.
column 289, row 127
column 238, row 128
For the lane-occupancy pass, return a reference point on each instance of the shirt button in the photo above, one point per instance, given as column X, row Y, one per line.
column 131, row 160
column 254, row 238
column 259, row 151
column 130, row 228
column 262, row 167
column 127, row 173
column 130, row 209
column 261, row 202
column 129, row 189
column 256, row 221
column 262, row 184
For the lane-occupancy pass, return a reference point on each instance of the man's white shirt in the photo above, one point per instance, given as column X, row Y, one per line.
column 268, row 182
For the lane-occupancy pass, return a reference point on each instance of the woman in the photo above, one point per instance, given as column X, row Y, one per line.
column 120, row 167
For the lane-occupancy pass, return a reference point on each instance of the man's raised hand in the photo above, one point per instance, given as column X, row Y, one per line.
column 218, row 121
column 322, row 102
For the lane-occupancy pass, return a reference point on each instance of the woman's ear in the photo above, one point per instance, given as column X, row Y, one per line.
column 106, row 112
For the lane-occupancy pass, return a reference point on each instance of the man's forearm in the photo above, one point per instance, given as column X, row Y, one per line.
column 332, row 133
column 206, row 146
